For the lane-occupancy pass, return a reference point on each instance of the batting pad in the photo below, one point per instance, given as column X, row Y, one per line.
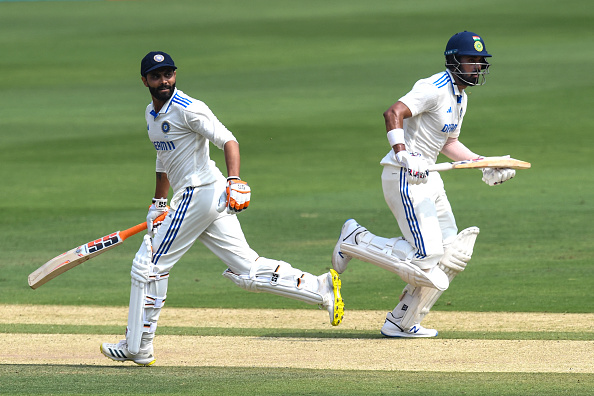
column 381, row 252
column 135, row 316
column 280, row 278
column 454, row 261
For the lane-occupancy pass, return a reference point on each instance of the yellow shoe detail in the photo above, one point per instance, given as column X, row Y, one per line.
column 338, row 301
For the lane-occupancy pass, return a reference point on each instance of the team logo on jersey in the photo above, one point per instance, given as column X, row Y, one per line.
column 448, row 128
column 159, row 58
column 164, row 146
column 165, row 127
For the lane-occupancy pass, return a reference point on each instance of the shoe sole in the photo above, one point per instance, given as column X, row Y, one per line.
column 122, row 360
column 338, row 301
column 407, row 335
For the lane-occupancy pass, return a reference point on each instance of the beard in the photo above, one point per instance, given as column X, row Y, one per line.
column 470, row 79
column 160, row 95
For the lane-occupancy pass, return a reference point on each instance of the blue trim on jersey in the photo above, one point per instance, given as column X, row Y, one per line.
column 411, row 218
column 175, row 225
column 177, row 99
column 184, row 102
column 443, row 80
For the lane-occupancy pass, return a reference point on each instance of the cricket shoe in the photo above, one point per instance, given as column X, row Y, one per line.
column 333, row 301
column 119, row 352
column 348, row 234
column 391, row 328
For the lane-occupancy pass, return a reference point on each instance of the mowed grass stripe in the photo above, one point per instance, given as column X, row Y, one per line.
column 306, row 319
column 303, row 323
column 347, row 354
column 295, row 333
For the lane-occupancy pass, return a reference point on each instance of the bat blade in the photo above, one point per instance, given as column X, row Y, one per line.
column 70, row 259
column 487, row 162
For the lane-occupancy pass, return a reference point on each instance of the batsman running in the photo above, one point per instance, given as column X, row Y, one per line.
column 203, row 207
column 431, row 252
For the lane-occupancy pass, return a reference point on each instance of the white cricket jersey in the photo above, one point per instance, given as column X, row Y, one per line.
column 181, row 133
column 437, row 108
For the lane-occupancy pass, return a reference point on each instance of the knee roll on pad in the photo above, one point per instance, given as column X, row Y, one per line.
column 459, row 252
column 141, row 265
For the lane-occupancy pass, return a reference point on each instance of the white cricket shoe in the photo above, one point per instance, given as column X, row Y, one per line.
column 350, row 230
column 391, row 328
column 119, row 352
column 333, row 301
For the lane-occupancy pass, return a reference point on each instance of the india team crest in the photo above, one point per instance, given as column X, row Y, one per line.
column 478, row 45
column 159, row 58
column 165, row 127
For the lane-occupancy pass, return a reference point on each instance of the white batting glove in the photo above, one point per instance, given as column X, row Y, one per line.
column 417, row 169
column 236, row 196
column 158, row 207
column 494, row 176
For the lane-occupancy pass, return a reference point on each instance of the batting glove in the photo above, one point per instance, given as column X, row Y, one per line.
column 236, row 196
column 158, row 207
column 417, row 169
column 494, row 176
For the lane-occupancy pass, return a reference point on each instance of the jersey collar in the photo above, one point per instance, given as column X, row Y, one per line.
column 455, row 91
column 165, row 107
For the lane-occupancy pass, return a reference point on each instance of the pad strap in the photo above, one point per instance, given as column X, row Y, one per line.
column 154, row 301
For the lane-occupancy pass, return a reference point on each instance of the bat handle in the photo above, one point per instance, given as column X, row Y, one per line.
column 440, row 167
column 139, row 227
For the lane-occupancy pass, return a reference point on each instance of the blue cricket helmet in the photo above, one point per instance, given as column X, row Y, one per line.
column 467, row 44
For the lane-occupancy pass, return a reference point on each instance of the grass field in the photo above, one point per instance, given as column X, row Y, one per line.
column 303, row 86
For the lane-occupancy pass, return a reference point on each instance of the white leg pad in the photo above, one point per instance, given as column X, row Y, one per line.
column 140, row 272
column 280, row 278
column 454, row 261
column 145, row 308
column 135, row 316
column 395, row 256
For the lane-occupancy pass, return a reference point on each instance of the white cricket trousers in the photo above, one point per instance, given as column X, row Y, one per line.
column 423, row 213
column 195, row 217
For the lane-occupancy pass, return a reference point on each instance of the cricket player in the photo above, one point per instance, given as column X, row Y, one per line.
column 420, row 125
column 203, row 207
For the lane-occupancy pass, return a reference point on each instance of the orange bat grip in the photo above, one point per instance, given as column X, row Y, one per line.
column 139, row 227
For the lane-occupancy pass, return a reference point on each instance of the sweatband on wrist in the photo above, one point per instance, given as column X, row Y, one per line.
column 396, row 136
column 160, row 203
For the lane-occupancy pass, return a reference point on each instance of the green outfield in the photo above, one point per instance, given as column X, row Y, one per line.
column 303, row 86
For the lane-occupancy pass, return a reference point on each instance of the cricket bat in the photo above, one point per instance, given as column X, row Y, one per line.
column 487, row 162
column 70, row 259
